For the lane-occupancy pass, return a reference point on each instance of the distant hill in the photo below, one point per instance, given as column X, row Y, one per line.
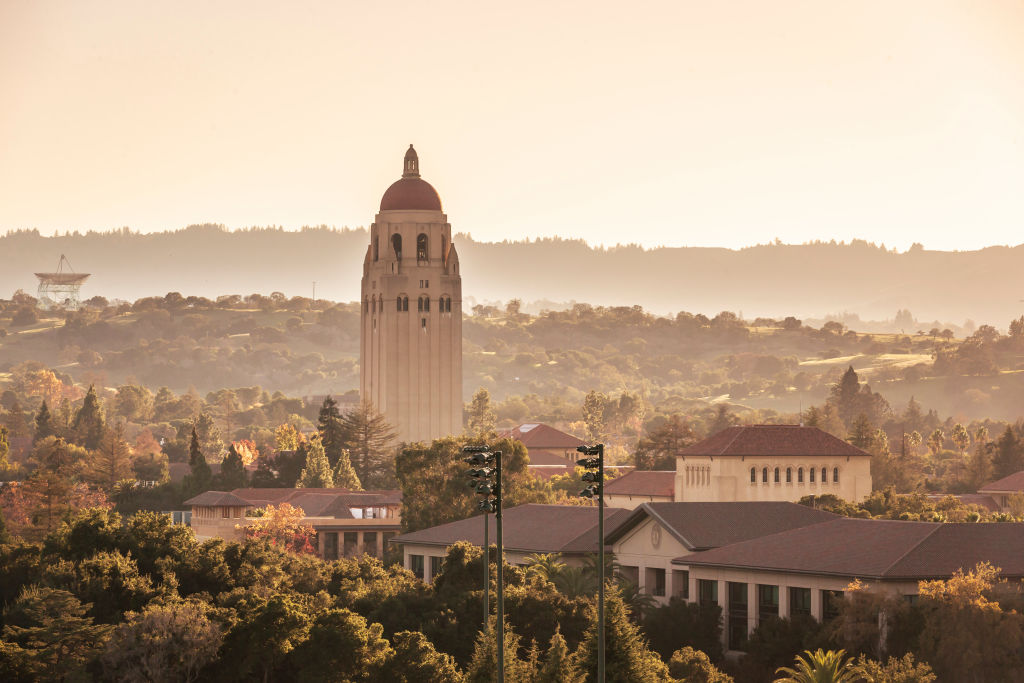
column 810, row 280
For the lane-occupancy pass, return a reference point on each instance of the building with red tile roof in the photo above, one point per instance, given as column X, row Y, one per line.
column 1002, row 490
column 771, row 462
column 640, row 486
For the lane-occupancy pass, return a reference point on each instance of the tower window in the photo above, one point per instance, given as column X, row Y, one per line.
column 405, row 303
column 396, row 244
column 423, row 323
column 366, row 305
column 376, row 248
column 421, row 247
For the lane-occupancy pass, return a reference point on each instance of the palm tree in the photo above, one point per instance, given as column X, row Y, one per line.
column 546, row 565
column 819, row 666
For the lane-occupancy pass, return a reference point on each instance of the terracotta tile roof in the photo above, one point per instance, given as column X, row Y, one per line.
column 1014, row 482
column 875, row 549
column 985, row 501
column 772, row 440
column 527, row 528
column 643, row 483
column 540, row 435
column 543, row 456
column 700, row 526
column 218, row 498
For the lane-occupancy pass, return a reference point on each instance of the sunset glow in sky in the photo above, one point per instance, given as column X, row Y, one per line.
column 675, row 123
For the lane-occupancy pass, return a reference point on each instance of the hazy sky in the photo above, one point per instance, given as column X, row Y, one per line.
column 677, row 123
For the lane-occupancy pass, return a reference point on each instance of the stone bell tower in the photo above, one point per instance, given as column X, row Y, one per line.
column 411, row 323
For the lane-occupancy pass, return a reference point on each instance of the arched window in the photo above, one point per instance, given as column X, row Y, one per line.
column 426, row 303
column 753, row 475
column 373, row 304
column 776, row 475
column 799, row 475
column 421, row 247
column 835, row 475
column 398, row 304
column 396, row 244
column 366, row 305
column 810, row 472
column 824, row 475
column 789, row 475
column 405, row 303
column 376, row 248
column 764, row 475
column 419, row 304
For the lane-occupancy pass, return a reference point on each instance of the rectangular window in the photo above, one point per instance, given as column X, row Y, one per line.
column 225, row 512
column 707, row 592
column 737, row 615
column 630, row 573
column 423, row 323
column 435, row 567
column 799, row 602
column 767, row 602
column 331, row 545
column 681, row 583
column 370, row 543
column 416, row 566
column 830, row 603
column 655, row 580
column 351, row 543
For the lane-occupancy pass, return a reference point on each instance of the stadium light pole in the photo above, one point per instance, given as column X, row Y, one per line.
column 594, row 477
column 486, row 480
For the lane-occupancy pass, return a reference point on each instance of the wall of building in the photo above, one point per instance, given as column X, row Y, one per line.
column 411, row 366
column 727, row 479
column 632, row 501
column 650, row 549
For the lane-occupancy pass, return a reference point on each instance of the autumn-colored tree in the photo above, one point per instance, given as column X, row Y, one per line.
column 282, row 526
column 345, row 476
column 5, row 449
column 287, row 438
column 112, row 461
column 51, row 486
column 966, row 635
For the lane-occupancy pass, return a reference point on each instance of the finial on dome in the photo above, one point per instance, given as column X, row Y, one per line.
column 412, row 164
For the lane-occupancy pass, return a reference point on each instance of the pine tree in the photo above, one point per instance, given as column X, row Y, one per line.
column 317, row 472
column 627, row 657
column 559, row 665
column 345, row 475
column 232, row 470
column 111, row 462
column 484, row 664
column 209, row 437
column 44, row 423
column 861, row 433
column 332, row 431
column 199, row 479
column 369, row 440
column 89, row 421
column 1008, row 457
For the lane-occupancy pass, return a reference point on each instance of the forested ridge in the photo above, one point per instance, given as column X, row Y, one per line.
column 809, row 280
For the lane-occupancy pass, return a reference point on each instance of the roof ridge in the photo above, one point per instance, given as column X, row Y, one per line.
column 912, row 547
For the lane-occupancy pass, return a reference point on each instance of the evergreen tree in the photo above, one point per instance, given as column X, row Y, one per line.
column 15, row 420
column 484, row 664
column 559, row 665
column 1008, row 457
column 370, row 440
column 482, row 417
column 44, row 423
column 317, row 472
column 5, row 449
column 232, row 470
column 415, row 660
column 861, row 433
column 199, row 479
column 209, row 437
column 723, row 419
column 845, row 394
column 89, row 422
column 593, row 414
column 627, row 658
column 332, row 431
column 345, row 475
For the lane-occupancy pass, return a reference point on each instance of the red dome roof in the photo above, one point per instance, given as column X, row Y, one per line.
column 410, row 194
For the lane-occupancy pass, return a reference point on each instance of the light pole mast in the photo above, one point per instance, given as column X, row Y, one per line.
column 486, row 481
column 595, row 479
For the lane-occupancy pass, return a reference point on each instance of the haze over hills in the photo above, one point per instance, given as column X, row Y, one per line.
column 810, row 280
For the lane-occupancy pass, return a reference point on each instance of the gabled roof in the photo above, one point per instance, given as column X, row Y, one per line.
column 700, row 526
column 643, row 483
column 540, row 457
column 1014, row 482
column 772, row 440
column 540, row 435
column 526, row 528
column 876, row 549
column 314, row 502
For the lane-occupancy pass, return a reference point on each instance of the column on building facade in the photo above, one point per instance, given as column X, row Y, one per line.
column 753, row 606
column 321, row 542
column 816, row 607
column 693, row 588
column 380, row 545
column 783, row 602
